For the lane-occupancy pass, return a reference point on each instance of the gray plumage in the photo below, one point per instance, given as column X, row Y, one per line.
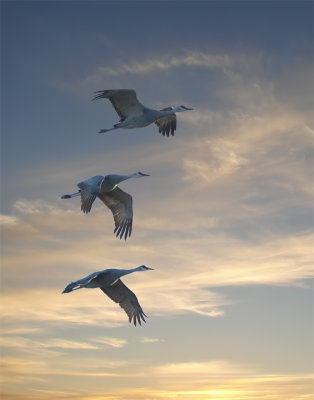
column 134, row 115
column 107, row 190
column 110, row 283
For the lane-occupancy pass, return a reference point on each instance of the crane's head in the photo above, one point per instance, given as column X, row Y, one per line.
column 139, row 175
column 182, row 108
column 144, row 268
column 71, row 286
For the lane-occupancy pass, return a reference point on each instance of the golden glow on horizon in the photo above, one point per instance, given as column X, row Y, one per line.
column 259, row 387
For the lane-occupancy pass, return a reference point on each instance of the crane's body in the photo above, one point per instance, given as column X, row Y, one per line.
column 109, row 282
column 134, row 115
column 104, row 278
column 145, row 118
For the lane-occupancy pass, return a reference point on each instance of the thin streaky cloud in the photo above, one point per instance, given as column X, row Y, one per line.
column 92, row 310
column 69, row 344
column 21, row 331
column 110, row 341
column 165, row 62
column 150, row 340
column 35, row 347
column 200, row 369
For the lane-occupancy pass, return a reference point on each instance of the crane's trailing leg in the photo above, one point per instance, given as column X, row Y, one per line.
column 110, row 129
column 106, row 130
column 69, row 196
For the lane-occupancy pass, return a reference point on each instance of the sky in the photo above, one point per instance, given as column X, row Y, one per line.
column 225, row 217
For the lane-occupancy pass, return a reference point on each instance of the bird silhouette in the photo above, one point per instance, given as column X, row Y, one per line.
column 107, row 190
column 134, row 115
column 110, row 283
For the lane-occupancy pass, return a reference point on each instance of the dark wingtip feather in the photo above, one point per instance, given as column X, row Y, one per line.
column 125, row 229
column 138, row 318
column 85, row 209
column 99, row 95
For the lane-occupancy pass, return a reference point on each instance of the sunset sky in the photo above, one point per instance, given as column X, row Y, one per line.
column 225, row 217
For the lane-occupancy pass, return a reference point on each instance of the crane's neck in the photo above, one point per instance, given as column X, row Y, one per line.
column 153, row 115
column 117, row 273
column 164, row 113
column 111, row 181
column 125, row 177
column 119, row 178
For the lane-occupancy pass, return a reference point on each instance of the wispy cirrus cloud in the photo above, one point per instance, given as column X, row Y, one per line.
column 55, row 308
column 150, row 340
column 35, row 347
column 110, row 341
column 278, row 143
column 229, row 63
column 166, row 62
column 35, row 369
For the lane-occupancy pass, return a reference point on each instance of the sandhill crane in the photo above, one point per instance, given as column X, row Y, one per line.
column 109, row 282
column 134, row 115
column 107, row 190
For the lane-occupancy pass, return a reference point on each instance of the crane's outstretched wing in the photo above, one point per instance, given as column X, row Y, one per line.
column 167, row 124
column 87, row 198
column 120, row 204
column 127, row 300
column 124, row 101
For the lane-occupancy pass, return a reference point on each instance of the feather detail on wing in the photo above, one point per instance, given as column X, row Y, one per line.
column 127, row 300
column 87, row 199
column 167, row 124
column 124, row 101
column 120, row 204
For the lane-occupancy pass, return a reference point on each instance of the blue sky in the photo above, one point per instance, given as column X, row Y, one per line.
column 225, row 218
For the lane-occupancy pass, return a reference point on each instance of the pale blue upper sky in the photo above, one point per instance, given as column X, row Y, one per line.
column 48, row 42
column 226, row 217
